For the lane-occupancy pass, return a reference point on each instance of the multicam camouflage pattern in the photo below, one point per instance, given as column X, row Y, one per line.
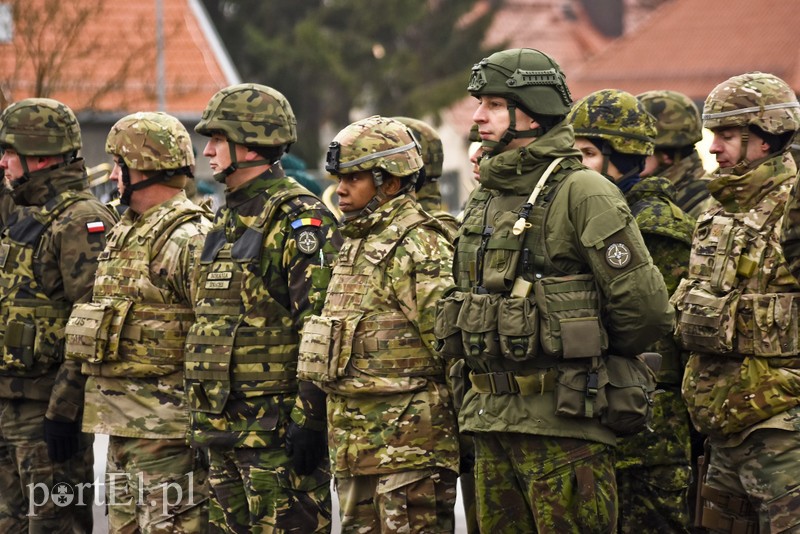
column 390, row 273
column 145, row 280
column 616, row 117
column 155, row 485
column 250, row 114
column 677, row 118
column 151, row 141
column 256, row 490
column 430, row 145
column 374, row 143
column 40, row 127
column 411, row 501
column 753, row 99
column 544, row 484
column 525, row 76
column 736, row 302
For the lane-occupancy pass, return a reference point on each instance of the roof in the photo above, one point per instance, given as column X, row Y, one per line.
column 692, row 46
column 111, row 66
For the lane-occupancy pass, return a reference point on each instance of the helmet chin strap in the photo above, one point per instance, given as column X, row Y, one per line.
column 27, row 174
column 492, row 148
column 236, row 164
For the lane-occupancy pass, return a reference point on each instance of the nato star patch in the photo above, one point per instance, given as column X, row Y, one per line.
column 618, row 255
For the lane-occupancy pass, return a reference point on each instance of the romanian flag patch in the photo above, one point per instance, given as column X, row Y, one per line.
column 95, row 227
column 306, row 221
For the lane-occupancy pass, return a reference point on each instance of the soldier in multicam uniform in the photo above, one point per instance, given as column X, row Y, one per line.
column 130, row 337
column 391, row 423
column 263, row 271
column 543, row 243
column 675, row 156
column 737, row 312
column 48, row 252
column 615, row 134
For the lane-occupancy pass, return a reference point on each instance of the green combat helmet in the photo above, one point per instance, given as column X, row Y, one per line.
column 528, row 79
column 40, row 127
column 677, row 118
column 377, row 144
column 752, row 99
column 155, row 143
column 252, row 115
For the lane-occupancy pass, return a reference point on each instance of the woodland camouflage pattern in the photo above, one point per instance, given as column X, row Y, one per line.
column 677, row 118
column 40, row 127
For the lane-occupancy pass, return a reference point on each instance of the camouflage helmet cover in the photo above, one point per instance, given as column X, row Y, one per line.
column 617, row 117
column 677, row 118
column 526, row 76
column 430, row 145
column 374, row 143
column 150, row 141
column 250, row 114
column 40, row 127
column 756, row 99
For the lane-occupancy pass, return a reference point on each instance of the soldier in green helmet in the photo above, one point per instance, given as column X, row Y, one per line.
column 616, row 134
column 675, row 157
column 737, row 311
column 555, row 297
column 49, row 247
column 263, row 271
column 129, row 337
column 391, row 423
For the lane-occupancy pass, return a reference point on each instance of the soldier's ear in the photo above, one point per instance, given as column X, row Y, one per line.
column 391, row 185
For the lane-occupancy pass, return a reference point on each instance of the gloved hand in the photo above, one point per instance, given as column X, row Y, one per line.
column 61, row 439
column 306, row 447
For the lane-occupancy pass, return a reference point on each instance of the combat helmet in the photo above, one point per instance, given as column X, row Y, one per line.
column 377, row 144
column 40, row 127
column 252, row 115
column 430, row 145
column 152, row 142
column 677, row 118
column 528, row 79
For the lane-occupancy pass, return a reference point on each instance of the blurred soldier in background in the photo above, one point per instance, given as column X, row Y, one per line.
column 263, row 271
column 130, row 337
column 737, row 312
column 391, row 422
column 48, row 256
column 616, row 134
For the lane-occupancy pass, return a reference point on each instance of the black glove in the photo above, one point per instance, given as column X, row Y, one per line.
column 305, row 447
column 467, row 463
column 61, row 439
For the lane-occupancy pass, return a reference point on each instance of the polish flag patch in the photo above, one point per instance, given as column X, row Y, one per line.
column 95, row 227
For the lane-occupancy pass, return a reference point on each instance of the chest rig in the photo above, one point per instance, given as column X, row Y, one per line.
column 243, row 339
column 31, row 322
column 135, row 325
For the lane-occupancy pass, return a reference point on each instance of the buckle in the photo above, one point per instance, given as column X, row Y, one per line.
column 503, row 383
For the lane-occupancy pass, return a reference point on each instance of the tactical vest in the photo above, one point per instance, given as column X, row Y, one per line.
column 734, row 305
column 363, row 344
column 242, row 339
column 31, row 323
column 135, row 326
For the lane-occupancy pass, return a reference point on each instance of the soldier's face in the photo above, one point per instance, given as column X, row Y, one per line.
column 355, row 191
column 218, row 152
column 593, row 158
column 493, row 120
column 11, row 165
column 473, row 158
column 727, row 147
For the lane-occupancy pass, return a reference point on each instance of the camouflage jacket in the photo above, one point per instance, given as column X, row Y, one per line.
column 739, row 301
column 392, row 268
column 264, row 269
column 579, row 225
column 689, row 179
column 430, row 199
column 146, row 273
column 62, row 273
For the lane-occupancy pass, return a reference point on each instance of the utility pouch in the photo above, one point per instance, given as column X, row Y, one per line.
column 93, row 332
column 320, row 346
column 580, row 389
column 629, row 393
column 502, row 254
column 477, row 321
column 445, row 327
column 569, row 313
column 518, row 328
column 18, row 345
column 706, row 322
column 767, row 324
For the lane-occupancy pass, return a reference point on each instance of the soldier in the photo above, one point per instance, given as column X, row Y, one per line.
column 427, row 186
column 130, row 338
column 675, row 156
column 737, row 312
column 392, row 427
column 48, row 253
column 544, row 242
column 263, row 270
column 615, row 134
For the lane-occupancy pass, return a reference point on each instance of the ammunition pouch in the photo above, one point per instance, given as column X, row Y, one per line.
column 445, row 328
column 731, row 513
column 320, row 347
column 93, row 332
column 477, row 321
column 31, row 337
column 706, row 322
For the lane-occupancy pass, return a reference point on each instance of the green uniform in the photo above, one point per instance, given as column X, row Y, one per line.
column 263, row 270
column 48, row 252
column 541, row 449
